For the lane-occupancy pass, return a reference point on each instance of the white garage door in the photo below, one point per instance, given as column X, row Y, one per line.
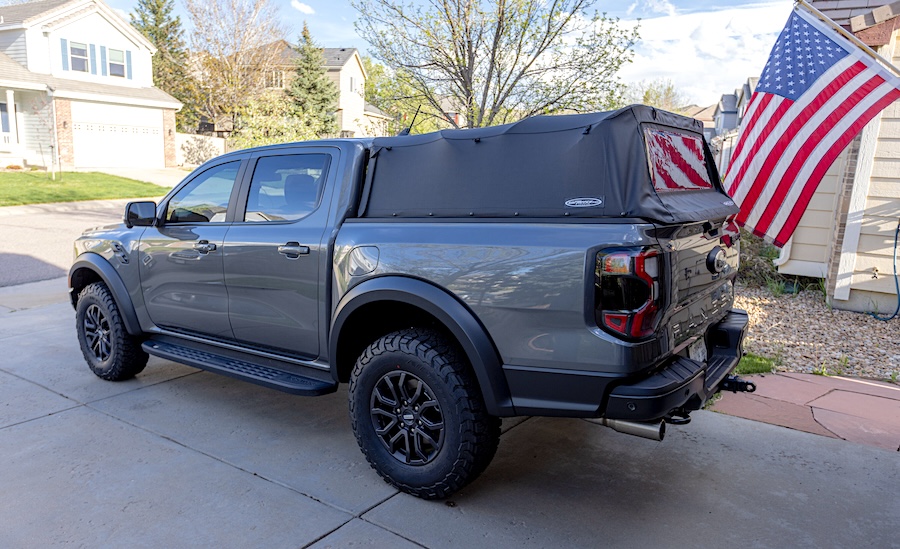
column 117, row 136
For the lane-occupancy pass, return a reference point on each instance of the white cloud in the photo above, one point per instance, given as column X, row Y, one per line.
column 708, row 53
column 302, row 8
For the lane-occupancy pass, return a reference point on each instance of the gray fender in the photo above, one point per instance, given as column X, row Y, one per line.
column 110, row 277
column 453, row 314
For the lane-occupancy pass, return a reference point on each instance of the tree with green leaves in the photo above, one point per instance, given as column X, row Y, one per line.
column 392, row 92
column 497, row 61
column 660, row 93
column 270, row 117
column 313, row 93
column 154, row 19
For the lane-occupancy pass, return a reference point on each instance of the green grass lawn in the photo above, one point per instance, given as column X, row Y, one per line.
column 18, row 188
column 754, row 364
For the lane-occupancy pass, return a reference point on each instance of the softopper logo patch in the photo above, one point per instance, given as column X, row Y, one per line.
column 584, row 202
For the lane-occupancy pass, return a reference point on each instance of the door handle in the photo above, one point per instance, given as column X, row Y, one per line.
column 293, row 250
column 204, row 247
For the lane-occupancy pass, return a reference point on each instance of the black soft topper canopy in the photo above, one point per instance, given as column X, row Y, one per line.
column 634, row 162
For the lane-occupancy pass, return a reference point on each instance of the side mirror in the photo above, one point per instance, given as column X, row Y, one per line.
column 141, row 214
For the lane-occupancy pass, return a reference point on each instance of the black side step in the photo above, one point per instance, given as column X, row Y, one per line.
column 240, row 369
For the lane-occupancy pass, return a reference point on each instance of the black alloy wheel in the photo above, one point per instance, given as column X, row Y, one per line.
column 407, row 418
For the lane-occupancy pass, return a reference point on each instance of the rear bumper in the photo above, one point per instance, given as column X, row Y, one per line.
column 682, row 383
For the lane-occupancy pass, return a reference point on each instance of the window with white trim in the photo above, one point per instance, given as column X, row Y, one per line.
column 78, row 57
column 116, row 63
column 4, row 118
column 275, row 79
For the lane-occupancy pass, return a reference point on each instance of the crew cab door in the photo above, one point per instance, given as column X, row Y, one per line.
column 181, row 263
column 274, row 250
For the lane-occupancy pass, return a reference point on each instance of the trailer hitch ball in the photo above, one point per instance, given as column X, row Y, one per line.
column 737, row 385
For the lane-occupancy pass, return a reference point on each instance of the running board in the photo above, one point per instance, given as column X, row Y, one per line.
column 266, row 376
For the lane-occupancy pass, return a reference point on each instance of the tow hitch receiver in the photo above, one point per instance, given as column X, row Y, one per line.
column 737, row 385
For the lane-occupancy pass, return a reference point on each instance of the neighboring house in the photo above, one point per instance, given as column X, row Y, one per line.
column 76, row 89
column 344, row 67
column 705, row 115
column 846, row 235
column 724, row 142
column 726, row 114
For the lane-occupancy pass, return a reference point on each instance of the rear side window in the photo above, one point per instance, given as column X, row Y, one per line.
column 286, row 187
column 677, row 162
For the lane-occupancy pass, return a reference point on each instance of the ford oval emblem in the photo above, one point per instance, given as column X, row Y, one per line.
column 584, row 202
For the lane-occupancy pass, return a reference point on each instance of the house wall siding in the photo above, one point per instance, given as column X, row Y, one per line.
column 36, row 127
column 12, row 43
column 96, row 29
column 872, row 284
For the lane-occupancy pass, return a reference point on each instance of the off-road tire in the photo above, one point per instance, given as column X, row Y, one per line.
column 470, row 435
column 110, row 351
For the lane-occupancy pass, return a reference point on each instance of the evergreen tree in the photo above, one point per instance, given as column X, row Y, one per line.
column 170, row 72
column 313, row 93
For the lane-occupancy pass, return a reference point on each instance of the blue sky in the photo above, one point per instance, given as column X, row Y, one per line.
column 706, row 49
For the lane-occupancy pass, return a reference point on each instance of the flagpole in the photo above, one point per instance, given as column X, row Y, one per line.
column 848, row 35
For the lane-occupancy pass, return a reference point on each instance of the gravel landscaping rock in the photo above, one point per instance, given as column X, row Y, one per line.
column 803, row 335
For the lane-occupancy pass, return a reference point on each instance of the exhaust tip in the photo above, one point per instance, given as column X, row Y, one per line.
column 655, row 430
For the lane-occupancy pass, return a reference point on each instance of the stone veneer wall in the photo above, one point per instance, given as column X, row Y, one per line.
column 169, row 137
column 64, row 132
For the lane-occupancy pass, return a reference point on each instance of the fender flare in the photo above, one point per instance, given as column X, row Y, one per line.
column 113, row 281
column 447, row 309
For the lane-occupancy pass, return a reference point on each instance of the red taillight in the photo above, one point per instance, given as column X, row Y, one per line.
column 627, row 296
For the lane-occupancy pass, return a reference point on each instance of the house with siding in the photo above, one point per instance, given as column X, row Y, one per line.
column 76, row 89
column 344, row 67
column 846, row 235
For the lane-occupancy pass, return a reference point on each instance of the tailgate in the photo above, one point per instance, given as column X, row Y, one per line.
column 701, row 270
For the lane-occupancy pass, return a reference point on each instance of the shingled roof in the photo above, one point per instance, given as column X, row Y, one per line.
column 29, row 11
column 843, row 12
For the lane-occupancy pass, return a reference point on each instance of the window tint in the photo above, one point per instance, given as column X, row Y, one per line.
column 205, row 198
column 79, row 56
column 286, row 188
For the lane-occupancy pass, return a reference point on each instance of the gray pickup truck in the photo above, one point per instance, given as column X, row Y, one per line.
column 578, row 266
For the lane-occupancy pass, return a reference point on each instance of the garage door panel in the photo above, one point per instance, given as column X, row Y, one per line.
column 117, row 136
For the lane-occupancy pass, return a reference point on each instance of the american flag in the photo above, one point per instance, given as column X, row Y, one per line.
column 816, row 92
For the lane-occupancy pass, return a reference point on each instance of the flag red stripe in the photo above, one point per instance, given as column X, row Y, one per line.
column 800, row 157
column 813, row 182
column 758, row 143
column 746, row 127
column 774, row 155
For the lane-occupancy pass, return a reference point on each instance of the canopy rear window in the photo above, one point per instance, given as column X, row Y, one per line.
column 677, row 161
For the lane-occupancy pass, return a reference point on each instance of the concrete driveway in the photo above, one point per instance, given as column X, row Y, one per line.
column 183, row 458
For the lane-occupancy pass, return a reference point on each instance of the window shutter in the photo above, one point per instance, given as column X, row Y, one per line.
column 103, row 60
column 93, row 59
column 65, row 53
column 128, row 64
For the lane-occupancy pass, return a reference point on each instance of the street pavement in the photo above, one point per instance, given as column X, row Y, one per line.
column 183, row 458
column 36, row 240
